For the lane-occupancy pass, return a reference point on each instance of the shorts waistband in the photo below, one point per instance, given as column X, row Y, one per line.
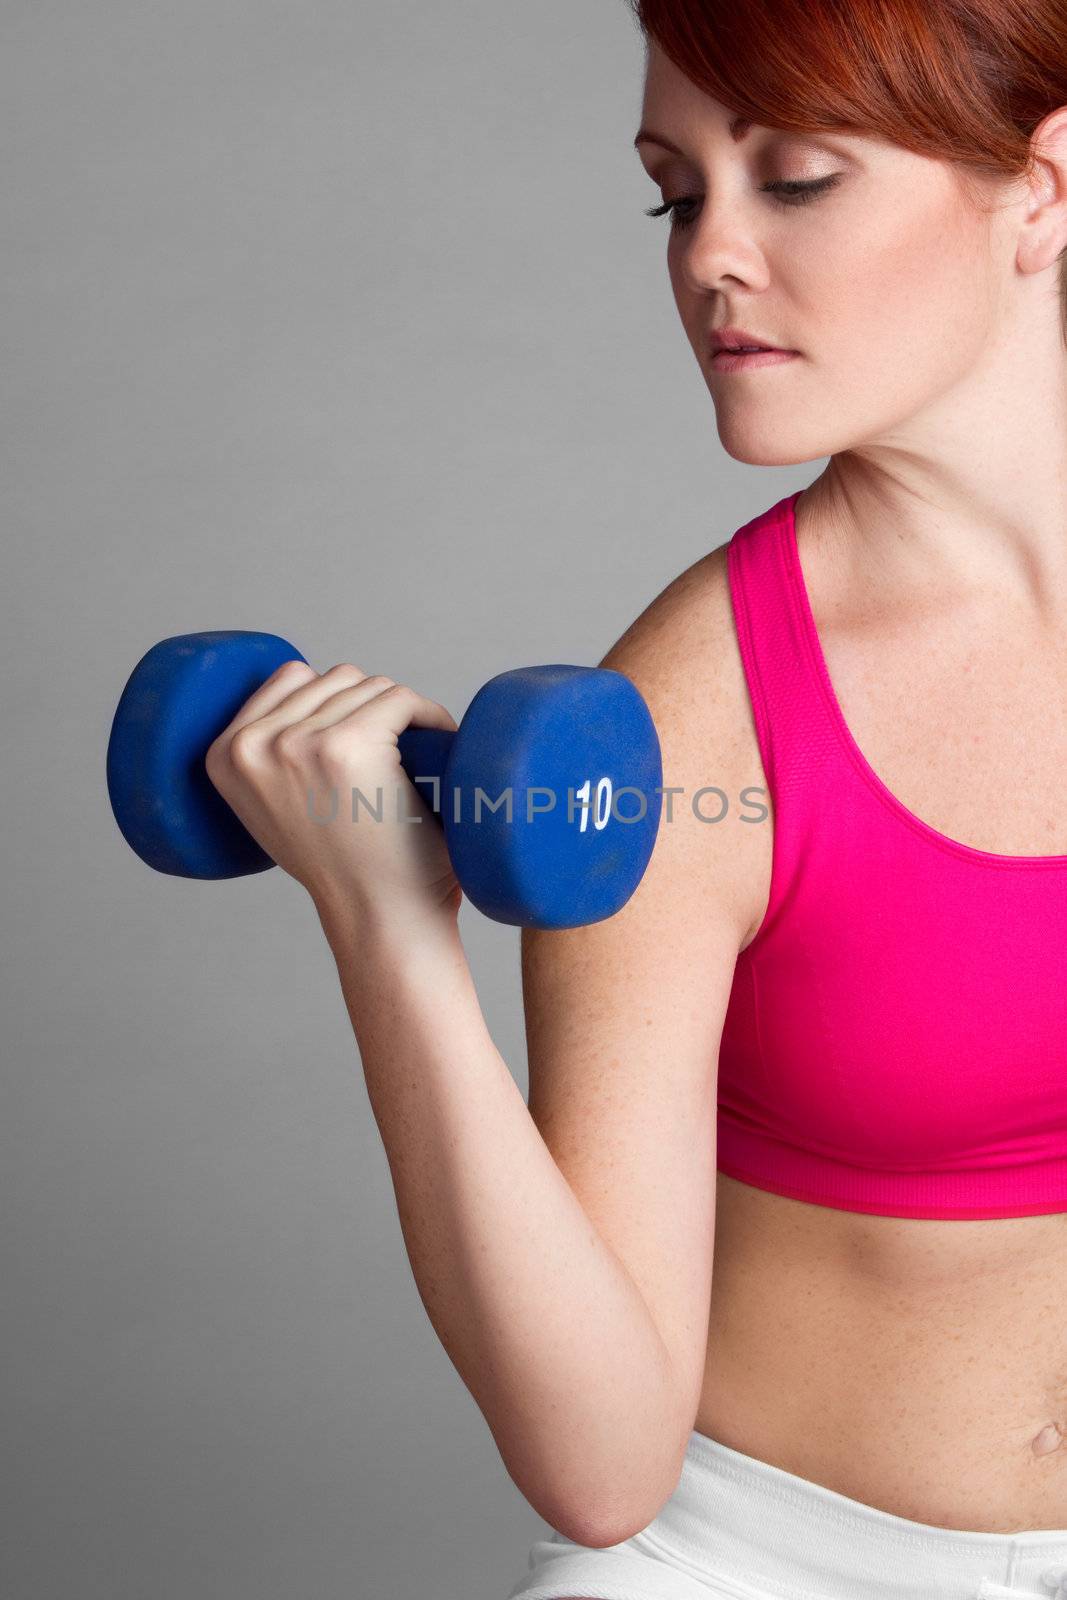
column 733, row 1510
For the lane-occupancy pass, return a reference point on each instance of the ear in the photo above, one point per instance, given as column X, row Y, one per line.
column 1043, row 235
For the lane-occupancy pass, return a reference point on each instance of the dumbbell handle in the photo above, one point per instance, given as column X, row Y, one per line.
column 424, row 754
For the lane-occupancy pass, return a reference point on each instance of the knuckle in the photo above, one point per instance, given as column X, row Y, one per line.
column 334, row 751
column 243, row 746
column 288, row 742
column 293, row 669
column 333, row 742
column 346, row 669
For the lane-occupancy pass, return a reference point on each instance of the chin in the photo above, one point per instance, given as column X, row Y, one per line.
column 759, row 446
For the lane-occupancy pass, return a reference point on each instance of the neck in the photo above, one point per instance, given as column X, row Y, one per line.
column 970, row 493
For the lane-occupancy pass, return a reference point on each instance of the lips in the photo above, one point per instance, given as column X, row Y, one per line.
column 739, row 339
column 749, row 360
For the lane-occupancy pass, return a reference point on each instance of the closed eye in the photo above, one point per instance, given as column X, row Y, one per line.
column 786, row 191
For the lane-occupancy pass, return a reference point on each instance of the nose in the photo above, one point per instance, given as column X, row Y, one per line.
column 719, row 250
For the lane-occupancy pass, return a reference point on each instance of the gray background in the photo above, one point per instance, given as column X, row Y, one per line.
column 341, row 321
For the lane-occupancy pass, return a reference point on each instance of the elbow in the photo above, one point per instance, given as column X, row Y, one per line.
column 577, row 1521
column 593, row 1526
column 611, row 1526
column 601, row 1502
column 610, row 1522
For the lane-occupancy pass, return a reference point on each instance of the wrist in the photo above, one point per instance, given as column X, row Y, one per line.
column 390, row 968
column 353, row 924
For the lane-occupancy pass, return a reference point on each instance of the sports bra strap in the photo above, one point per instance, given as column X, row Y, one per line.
column 798, row 740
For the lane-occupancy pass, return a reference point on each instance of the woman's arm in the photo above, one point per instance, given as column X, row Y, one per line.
column 564, row 1251
column 624, row 1018
column 540, row 1318
column 538, row 1313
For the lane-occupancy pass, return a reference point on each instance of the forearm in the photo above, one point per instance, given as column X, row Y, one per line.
column 543, row 1323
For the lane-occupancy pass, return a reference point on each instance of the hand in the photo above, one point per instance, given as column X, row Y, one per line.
column 287, row 765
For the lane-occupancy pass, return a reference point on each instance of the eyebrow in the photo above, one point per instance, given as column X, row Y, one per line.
column 738, row 129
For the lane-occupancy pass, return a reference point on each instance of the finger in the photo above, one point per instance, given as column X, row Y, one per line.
column 340, row 706
column 296, row 697
column 387, row 714
column 271, row 692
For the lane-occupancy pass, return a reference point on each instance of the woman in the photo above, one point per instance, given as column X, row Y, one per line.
column 765, row 1292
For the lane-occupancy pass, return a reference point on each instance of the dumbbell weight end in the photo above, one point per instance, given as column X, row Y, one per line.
column 176, row 702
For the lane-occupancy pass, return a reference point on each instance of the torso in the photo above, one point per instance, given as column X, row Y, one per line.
column 915, row 1364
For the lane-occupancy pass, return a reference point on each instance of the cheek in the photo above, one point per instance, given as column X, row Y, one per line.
column 901, row 308
column 888, row 315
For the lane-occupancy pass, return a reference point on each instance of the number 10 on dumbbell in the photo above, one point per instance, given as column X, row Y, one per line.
column 582, row 737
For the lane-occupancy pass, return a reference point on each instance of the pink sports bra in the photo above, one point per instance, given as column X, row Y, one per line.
column 896, row 1035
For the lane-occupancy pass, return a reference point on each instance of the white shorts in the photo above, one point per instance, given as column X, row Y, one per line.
column 738, row 1529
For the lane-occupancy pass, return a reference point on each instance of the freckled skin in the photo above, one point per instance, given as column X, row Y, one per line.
column 1050, row 1438
column 919, row 1351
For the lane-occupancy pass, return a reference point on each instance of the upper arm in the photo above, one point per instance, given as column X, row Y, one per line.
column 624, row 1017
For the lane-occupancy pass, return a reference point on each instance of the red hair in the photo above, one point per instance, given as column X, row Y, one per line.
column 965, row 81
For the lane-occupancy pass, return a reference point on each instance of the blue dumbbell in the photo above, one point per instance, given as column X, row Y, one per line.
column 575, row 747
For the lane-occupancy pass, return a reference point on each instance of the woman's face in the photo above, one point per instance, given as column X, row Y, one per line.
column 892, row 283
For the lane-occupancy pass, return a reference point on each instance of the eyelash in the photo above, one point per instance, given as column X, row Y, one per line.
column 788, row 192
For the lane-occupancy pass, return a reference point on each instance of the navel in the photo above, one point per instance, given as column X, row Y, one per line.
column 1050, row 1438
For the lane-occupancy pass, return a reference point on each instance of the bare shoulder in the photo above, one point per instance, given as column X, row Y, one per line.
column 683, row 642
column 682, row 653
